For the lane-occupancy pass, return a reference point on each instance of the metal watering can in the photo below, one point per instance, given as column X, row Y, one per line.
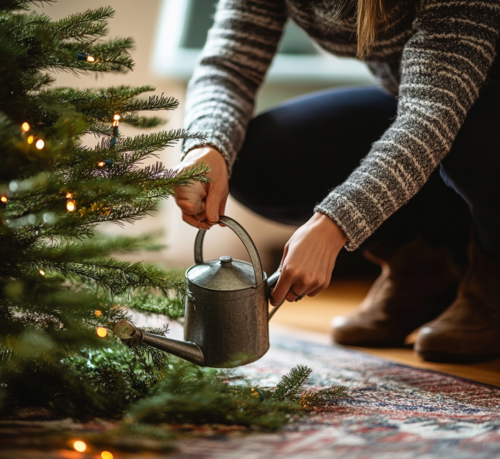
column 226, row 316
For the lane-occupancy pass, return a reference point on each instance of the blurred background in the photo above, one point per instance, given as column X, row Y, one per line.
column 169, row 36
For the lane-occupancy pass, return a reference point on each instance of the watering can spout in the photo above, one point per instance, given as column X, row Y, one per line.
column 132, row 336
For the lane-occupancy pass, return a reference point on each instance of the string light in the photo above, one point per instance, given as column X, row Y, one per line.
column 106, row 162
column 42, row 273
column 25, row 127
column 4, row 199
column 31, row 139
column 70, row 206
column 116, row 124
column 68, row 195
column 101, row 332
column 98, row 313
column 80, row 446
column 40, row 144
column 85, row 57
column 106, row 455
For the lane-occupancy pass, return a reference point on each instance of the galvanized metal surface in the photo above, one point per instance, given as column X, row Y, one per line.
column 226, row 316
column 244, row 237
column 185, row 350
column 224, row 274
column 230, row 327
column 230, row 324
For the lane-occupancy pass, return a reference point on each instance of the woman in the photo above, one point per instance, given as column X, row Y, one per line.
column 374, row 149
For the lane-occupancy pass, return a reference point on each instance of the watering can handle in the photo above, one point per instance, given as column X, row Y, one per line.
column 244, row 237
column 273, row 279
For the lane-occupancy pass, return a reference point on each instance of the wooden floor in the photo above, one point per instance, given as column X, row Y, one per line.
column 315, row 314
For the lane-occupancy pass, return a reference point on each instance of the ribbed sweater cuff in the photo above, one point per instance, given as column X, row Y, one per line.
column 343, row 212
column 213, row 139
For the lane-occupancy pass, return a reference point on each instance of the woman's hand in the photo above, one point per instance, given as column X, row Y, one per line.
column 309, row 259
column 202, row 204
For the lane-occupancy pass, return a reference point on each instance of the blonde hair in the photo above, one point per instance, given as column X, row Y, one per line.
column 371, row 13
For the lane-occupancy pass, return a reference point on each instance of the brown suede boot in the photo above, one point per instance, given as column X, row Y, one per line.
column 469, row 330
column 417, row 284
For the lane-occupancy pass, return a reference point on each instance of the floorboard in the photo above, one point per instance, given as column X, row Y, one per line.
column 315, row 314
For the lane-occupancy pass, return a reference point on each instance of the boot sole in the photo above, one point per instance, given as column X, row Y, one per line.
column 377, row 344
column 441, row 357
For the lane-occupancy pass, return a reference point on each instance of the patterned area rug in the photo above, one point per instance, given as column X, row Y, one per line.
column 394, row 411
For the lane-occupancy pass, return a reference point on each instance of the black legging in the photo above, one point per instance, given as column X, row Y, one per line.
column 295, row 153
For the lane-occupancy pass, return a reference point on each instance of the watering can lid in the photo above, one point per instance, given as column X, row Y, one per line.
column 224, row 274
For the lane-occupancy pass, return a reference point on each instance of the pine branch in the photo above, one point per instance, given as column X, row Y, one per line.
column 109, row 274
column 311, row 399
column 82, row 25
column 146, row 143
column 156, row 102
column 170, row 307
column 292, row 384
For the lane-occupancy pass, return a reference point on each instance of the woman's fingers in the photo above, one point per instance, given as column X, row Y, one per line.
column 190, row 198
column 222, row 208
column 291, row 286
column 190, row 220
column 309, row 259
column 213, row 203
column 202, row 203
column 281, row 290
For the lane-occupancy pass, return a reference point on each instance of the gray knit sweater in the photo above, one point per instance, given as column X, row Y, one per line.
column 433, row 54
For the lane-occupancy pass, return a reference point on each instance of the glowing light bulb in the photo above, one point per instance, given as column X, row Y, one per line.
column 101, row 332
column 40, row 144
column 90, row 59
column 101, row 163
column 42, row 273
column 4, row 199
column 98, row 313
column 106, row 455
column 70, row 206
column 117, row 117
column 31, row 139
column 80, row 446
column 68, row 195
column 25, row 127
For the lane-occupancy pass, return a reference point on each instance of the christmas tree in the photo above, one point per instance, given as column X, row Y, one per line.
column 59, row 284
column 61, row 290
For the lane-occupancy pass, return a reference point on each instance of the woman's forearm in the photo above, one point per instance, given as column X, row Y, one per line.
column 238, row 52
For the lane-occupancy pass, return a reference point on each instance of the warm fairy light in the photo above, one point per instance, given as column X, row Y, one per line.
column 70, row 206
column 90, row 59
column 42, row 273
column 80, row 446
column 101, row 332
column 31, row 139
column 106, row 455
column 68, row 195
column 101, row 163
column 4, row 199
column 117, row 117
column 98, row 313
column 40, row 144
column 25, row 127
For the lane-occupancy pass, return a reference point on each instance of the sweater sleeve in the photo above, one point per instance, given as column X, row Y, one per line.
column 444, row 64
column 233, row 64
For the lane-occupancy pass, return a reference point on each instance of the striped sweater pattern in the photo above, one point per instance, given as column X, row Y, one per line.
column 434, row 55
